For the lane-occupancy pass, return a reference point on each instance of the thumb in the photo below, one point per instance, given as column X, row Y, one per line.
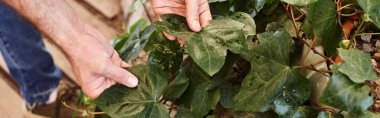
column 120, row 75
column 192, row 15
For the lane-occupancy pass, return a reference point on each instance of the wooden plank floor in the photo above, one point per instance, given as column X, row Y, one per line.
column 11, row 103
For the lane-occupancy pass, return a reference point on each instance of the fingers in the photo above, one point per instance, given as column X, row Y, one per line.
column 204, row 13
column 192, row 15
column 120, row 75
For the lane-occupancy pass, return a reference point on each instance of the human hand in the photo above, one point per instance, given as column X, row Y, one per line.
column 197, row 12
column 96, row 64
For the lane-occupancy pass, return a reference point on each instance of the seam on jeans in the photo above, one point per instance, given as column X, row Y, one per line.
column 6, row 45
column 43, row 93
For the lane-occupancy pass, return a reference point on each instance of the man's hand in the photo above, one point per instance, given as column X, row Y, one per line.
column 197, row 12
column 95, row 63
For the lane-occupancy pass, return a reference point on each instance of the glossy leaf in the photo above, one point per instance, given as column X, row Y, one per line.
column 300, row 2
column 183, row 112
column 208, row 48
column 165, row 54
column 304, row 112
column 322, row 20
column 347, row 95
column 135, row 43
column 227, row 94
column 272, row 83
column 357, row 65
column 252, row 7
column 371, row 10
column 177, row 87
column 205, row 98
column 140, row 102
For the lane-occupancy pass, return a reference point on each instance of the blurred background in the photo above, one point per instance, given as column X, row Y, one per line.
column 110, row 17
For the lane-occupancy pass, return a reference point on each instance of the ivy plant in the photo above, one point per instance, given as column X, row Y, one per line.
column 249, row 62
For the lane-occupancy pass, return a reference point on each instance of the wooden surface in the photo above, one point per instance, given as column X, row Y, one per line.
column 109, row 8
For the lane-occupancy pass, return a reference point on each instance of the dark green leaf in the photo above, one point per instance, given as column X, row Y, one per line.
column 212, row 1
column 372, row 10
column 166, row 54
column 183, row 112
column 347, row 95
column 140, row 23
column 227, row 94
column 135, row 43
column 300, row 2
column 120, row 41
column 177, row 87
column 208, row 48
column 272, row 83
column 140, row 102
column 357, row 65
column 251, row 7
column 205, row 99
column 322, row 20
column 304, row 112
column 220, row 9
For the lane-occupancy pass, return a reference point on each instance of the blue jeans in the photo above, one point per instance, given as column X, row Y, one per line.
column 30, row 64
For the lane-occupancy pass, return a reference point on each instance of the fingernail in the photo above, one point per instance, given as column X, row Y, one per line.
column 133, row 81
column 196, row 25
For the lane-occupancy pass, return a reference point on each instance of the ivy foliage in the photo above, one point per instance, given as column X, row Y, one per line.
column 247, row 62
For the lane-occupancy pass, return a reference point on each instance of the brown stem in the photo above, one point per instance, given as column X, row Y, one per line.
column 288, row 6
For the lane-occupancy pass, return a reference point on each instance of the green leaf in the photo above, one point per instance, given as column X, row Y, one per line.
column 322, row 20
column 140, row 23
column 300, row 2
column 220, row 9
column 357, row 65
column 212, row 1
column 135, row 6
column 347, row 95
column 120, row 41
column 227, row 94
column 208, row 48
column 251, row 7
column 135, row 43
column 204, row 87
column 272, row 83
column 140, row 102
column 183, row 112
column 371, row 10
column 165, row 54
column 323, row 114
column 177, row 87
column 250, row 25
column 304, row 112
column 205, row 99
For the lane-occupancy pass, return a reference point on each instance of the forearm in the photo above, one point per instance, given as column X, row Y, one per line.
column 54, row 18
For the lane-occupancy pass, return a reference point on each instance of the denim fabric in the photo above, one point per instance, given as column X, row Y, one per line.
column 26, row 57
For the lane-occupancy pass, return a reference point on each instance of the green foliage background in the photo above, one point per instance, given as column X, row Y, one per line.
column 245, row 63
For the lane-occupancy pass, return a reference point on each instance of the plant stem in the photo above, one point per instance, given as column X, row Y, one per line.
column 147, row 13
column 368, row 34
column 353, row 37
column 307, row 52
column 291, row 15
column 82, row 111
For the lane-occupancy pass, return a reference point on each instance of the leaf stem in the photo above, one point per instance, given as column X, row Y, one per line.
column 82, row 111
column 303, row 40
column 368, row 34
column 353, row 37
